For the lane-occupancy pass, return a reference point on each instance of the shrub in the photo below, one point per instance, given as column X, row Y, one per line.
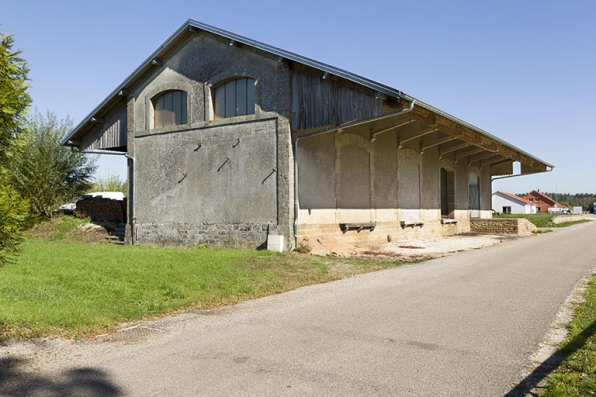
column 13, row 219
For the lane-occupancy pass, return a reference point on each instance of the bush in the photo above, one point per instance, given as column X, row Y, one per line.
column 13, row 219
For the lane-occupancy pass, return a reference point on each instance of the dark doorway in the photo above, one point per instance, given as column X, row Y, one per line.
column 447, row 193
column 474, row 191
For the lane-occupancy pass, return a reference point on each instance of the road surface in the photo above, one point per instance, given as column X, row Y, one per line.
column 463, row 325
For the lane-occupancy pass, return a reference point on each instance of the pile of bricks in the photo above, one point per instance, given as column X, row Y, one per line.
column 102, row 209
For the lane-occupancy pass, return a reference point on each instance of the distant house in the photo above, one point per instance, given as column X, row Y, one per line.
column 508, row 203
column 542, row 202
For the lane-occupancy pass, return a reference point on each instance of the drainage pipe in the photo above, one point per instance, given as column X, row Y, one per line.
column 325, row 131
column 131, row 202
column 516, row 175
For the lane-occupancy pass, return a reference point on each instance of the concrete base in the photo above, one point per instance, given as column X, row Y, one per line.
column 386, row 231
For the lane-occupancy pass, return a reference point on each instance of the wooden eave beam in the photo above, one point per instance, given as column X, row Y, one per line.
column 482, row 157
column 469, row 153
column 498, row 160
column 440, row 142
column 418, row 135
column 454, row 148
column 374, row 135
column 471, row 136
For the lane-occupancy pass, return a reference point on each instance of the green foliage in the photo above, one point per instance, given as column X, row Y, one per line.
column 13, row 218
column 302, row 249
column 45, row 172
column 540, row 220
column 14, row 99
column 576, row 376
column 109, row 183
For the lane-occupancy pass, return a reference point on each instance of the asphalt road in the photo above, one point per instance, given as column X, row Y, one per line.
column 464, row 325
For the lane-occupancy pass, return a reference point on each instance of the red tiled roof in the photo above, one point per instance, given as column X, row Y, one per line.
column 548, row 200
column 516, row 198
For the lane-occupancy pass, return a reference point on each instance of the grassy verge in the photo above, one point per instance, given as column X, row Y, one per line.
column 576, row 376
column 74, row 289
column 540, row 220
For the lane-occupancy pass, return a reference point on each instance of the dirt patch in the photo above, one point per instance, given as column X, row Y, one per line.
column 442, row 246
column 89, row 233
column 412, row 249
column 70, row 229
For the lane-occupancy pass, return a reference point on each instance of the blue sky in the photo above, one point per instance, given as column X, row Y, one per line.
column 524, row 71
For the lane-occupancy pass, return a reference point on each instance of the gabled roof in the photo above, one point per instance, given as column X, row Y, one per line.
column 544, row 197
column 192, row 25
column 514, row 197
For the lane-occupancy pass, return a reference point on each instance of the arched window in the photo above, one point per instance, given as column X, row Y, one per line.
column 234, row 98
column 169, row 109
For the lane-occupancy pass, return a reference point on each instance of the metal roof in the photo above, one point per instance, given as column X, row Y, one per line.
column 193, row 24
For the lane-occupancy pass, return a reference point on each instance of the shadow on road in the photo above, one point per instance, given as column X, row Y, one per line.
column 77, row 382
column 531, row 381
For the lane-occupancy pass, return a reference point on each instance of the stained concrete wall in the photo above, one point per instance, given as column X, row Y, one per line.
column 336, row 169
column 225, row 182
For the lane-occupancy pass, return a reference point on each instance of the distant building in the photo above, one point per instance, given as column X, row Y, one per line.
column 542, row 202
column 508, row 203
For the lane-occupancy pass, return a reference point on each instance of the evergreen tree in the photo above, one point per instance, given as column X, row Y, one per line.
column 14, row 102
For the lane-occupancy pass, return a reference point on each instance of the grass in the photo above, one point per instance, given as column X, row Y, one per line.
column 77, row 290
column 60, row 228
column 540, row 220
column 576, row 376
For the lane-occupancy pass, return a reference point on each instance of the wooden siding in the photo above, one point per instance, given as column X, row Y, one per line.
column 318, row 102
column 110, row 134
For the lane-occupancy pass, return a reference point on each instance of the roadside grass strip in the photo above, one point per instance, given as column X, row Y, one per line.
column 56, row 288
column 576, row 375
column 540, row 220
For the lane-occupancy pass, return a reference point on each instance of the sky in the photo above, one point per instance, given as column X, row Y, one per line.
column 525, row 71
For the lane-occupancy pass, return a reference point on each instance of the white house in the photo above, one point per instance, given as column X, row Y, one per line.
column 508, row 203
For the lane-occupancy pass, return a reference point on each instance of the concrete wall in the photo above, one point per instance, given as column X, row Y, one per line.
column 225, row 182
column 567, row 218
column 346, row 178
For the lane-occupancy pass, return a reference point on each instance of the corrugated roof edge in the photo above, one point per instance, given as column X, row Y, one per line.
column 296, row 58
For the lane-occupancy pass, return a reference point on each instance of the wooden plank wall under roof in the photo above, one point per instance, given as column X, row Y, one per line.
column 110, row 133
column 319, row 102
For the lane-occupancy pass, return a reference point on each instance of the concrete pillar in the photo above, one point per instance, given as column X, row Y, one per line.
column 285, row 157
column 130, row 147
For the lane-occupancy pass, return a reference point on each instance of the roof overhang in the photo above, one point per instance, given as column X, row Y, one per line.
column 425, row 113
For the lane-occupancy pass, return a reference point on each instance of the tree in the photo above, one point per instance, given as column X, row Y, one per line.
column 14, row 102
column 109, row 183
column 45, row 172
column 14, row 99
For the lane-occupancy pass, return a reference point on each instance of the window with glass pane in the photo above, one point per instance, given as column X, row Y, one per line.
column 234, row 98
column 169, row 109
